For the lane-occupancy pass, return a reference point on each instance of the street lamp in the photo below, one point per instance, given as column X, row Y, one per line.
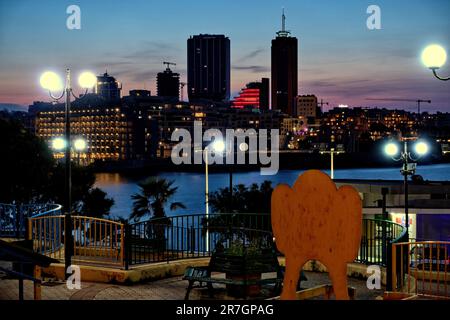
column 393, row 150
column 434, row 57
column 79, row 145
column 332, row 152
column 52, row 82
column 218, row 146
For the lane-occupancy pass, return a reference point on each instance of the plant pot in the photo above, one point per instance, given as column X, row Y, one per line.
column 240, row 291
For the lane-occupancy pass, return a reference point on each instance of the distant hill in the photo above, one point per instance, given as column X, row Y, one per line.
column 13, row 107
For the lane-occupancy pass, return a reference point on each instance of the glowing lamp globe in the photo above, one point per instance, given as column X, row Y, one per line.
column 219, row 146
column 58, row 144
column 243, row 147
column 391, row 149
column 421, row 148
column 79, row 144
column 51, row 81
column 87, row 80
column 434, row 56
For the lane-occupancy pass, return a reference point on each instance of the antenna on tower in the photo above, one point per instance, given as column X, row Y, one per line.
column 283, row 32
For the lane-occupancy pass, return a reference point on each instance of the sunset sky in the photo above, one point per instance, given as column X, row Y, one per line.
column 340, row 60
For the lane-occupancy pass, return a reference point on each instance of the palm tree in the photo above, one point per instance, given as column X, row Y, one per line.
column 155, row 193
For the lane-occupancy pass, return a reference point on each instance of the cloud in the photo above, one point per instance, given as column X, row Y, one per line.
column 152, row 50
column 251, row 55
column 335, row 82
column 253, row 69
column 110, row 64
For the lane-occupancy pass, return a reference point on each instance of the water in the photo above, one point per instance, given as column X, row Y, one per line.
column 191, row 186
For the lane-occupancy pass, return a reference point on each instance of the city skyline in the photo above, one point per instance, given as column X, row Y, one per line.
column 340, row 60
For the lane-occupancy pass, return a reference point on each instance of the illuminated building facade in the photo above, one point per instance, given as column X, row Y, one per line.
column 105, row 129
column 248, row 97
column 255, row 95
column 307, row 106
column 112, row 132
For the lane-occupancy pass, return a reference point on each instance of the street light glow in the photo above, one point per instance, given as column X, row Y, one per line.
column 434, row 56
column 87, row 80
column 218, row 146
column 58, row 144
column 391, row 149
column 51, row 81
column 79, row 144
column 421, row 148
column 243, row 147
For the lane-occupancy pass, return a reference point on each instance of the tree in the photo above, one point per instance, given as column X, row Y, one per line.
column 83, row 180
column 96, row 203
column 30, row 174
column 253, row 199
column 154, row 194
column 25, row 163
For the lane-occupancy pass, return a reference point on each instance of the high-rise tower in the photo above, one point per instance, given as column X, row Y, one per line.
column 108, row 87
column 208, row 59
column 284, row 70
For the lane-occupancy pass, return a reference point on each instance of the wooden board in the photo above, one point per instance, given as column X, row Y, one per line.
column 314, row 220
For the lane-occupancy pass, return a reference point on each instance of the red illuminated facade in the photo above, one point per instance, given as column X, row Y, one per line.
column 255, row 95
column 247, row 98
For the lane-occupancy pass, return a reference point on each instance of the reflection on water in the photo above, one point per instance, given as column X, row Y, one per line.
column 191, row 186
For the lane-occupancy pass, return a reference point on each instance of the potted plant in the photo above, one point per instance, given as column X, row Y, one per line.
column 241, row 262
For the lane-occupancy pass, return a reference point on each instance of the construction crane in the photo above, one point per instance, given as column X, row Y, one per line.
column 418, row 101
column 182, row 84
column 168, row 64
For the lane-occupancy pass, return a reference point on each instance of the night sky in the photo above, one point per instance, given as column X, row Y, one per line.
column 340, row 60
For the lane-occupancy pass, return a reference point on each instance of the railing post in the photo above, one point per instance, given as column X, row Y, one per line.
column 390, row 267
column 125, row 244
column 37, row 282
column 29, row 234
column 192, row 239
column 18, row 220
column 384, row 243
column 29, row 230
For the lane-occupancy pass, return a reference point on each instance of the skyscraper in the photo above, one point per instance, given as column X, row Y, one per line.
column 208, row 59
column 168, row 83
column 284, row 71
column 108, row 87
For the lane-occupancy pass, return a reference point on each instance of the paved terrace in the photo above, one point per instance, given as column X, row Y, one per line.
column 173, row 288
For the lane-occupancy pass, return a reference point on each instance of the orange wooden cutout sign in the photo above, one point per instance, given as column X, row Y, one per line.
column 314, row 220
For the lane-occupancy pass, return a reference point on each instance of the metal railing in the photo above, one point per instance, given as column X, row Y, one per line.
column 13, row 217
column 185, row 236
column 103, row 241
column 376, row 240
column 95, row 241
column 421, row 268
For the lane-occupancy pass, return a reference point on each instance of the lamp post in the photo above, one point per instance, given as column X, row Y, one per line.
column 216, row 146
column 52, row 82
column 206, row 198
column 332, row 152
column 392, row 149
column 434, row 57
